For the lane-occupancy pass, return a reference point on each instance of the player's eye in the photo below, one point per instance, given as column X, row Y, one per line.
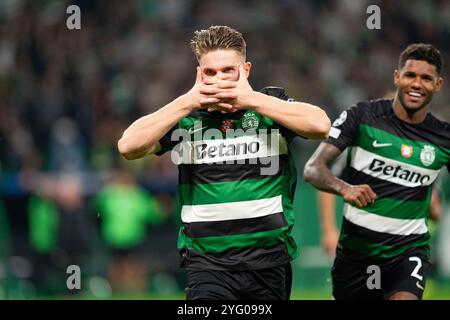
column 209, row 72
column 228, row 70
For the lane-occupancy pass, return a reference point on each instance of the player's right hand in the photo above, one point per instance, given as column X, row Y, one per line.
column 210, row 96
column 359, row 195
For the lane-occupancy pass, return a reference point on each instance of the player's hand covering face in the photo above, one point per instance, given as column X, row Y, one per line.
column 203, row 96
column 224, row 75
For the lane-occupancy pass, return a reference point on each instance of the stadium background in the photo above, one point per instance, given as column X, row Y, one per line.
column 67, row 197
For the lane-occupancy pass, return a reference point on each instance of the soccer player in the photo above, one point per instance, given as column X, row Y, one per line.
column 235, row 240
column 396, row 149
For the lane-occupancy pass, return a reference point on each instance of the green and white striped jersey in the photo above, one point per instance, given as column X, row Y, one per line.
column 237, row 180
column 400, row 162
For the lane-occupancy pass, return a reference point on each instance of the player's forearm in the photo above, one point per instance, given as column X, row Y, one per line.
column 321, row 177
column 327, row 205
column 142, row 136
column 302, row 118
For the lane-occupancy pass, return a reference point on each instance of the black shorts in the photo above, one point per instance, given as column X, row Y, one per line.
column 265, row 284
column 366, row 279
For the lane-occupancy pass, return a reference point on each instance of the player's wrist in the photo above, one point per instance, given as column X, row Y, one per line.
column 188, row 103
column 342, row 188
column 254, row 101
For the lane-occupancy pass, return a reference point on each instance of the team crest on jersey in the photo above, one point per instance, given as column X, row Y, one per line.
column 250, row 120
column 341, row 119
column 406, row 151
column 226, row 125
column 427, row 155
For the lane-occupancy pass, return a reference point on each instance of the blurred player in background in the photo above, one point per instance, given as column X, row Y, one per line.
column 235, row 239
column 397, row 150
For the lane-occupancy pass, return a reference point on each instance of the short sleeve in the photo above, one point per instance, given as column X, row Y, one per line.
column 345, row 128
column 166, row 142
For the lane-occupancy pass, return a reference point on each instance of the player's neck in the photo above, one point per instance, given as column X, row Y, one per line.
column 409, row 117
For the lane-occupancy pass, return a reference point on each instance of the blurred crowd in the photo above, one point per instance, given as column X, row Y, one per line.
column 66, row 195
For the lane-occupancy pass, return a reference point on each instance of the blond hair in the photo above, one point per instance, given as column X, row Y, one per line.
column 217, row 37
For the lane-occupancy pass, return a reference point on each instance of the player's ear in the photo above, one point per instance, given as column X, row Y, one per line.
column 396, row 77
column 247, row 66
column 439, row 84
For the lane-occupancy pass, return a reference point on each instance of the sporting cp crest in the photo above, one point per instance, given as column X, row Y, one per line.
column 406, row 151
column 427, row 155
column 250, row 120
column 226, row 125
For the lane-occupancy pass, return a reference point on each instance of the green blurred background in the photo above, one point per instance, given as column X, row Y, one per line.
column 68, row 198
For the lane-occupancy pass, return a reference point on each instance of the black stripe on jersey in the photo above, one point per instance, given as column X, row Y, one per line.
column 377, row 237
column 431, row 130
column 231, row 227
column 385, row 188
column 209, row 173
column 237, row 260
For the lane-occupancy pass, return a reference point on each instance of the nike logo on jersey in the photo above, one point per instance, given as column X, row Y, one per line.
column 194, row 129
column 418, row 285
column 380, row 145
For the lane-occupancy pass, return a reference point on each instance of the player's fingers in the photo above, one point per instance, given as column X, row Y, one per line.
column 362, row 199
column 366, row 196
column 226, row 107
column 369, row 193
column 208, row 90
column 357, row 203
column 225, row 95
column 215, row 92
column 222, row 84
column 207, row 101
column 210, row 81
column 226, row 84
column 372, row 194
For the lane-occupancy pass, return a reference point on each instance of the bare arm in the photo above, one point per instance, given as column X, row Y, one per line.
column 435, row 207
column 318, row 173
column 330, row 233
column 317, row 169
column 302, row 118
column 142, row 137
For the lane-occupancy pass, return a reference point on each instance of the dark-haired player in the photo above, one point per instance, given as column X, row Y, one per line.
column 396, row 149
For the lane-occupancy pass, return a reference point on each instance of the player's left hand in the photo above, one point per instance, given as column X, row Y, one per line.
column 241, row 94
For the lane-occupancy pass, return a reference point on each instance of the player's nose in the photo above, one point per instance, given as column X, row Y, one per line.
column 416, row 84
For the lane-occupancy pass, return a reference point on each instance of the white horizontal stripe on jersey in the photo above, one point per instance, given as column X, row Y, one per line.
column 231, row 210
column 379, row 223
